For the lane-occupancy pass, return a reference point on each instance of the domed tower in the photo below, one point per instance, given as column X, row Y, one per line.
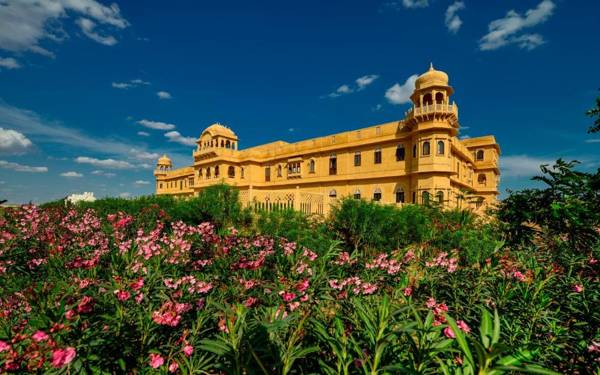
column 431, row 100
column 163, row 165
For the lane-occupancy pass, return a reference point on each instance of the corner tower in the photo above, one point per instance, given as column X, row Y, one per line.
column 163, row 165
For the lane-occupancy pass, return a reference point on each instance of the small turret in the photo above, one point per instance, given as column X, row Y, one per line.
column 163, row 165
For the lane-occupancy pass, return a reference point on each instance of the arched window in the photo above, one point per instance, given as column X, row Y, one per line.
column 440, row 197
column 399, row 195
column 200, row 172
column 279, row 170
column 311, row 166
column 441, row 148
column 357, row 194
column 426, row 148
column 400, row 153
column 241, row 172
column 227, row 144
column 427, row 100
column 222, row 144
column 231, row 172
column 332, row 193
column 217, row 171
column 439, row 98
column 208, row 172
column 481, row 179
column 425, row 197
column 377, row 194
column 377, row 156
column 479, row 155
column 357, row 159
column 332, row 164
column 414, row 151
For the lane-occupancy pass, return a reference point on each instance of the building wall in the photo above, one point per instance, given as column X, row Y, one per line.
column 465, row 174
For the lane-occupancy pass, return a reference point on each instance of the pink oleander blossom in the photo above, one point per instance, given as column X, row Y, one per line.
column 40, row 336
column 578, row 288
column 62, row 357
column 4, row 346
column 449, row 333
column 463, row 326
column 173, row 367
column 188, row 350
column 156, row 360
column 122, row 295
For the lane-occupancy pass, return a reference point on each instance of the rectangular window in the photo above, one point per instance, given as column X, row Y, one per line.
column 378, row 156
column 414, row 154
column 377, row 197
column 400, row 153
column 357, row 159
column 268, row 174
column 414, row 197
column 399, row 197
column 332, row 165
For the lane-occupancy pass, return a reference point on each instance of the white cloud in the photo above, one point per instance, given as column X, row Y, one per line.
column 453, row 21
column 145, row 166
column 175, row 136
column 595, row 140
column 129, row 84
column 365, row 81
column 9, row 63
column 125, row 195
column 13, row 142
column 522, row 165
column 163, row 95
column 144, row 155
column 156, row 125
column 504, row 31
column 361, row 84
column 87, row 27
column 121, row 85
column 410, row 4
column 400, row 94
column 24, row 24
column 142, row 182
column 98, row 172
column 342, row 90
column 104, row 163
column 143, row 134
column 377, row 108
column 22, row 168
column 71, row 174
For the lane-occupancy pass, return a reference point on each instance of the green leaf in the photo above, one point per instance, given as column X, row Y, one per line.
column 462, row 342
column 485, row 329
column 496, row 334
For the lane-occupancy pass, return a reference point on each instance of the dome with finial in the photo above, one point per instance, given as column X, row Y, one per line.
column 431, row 78
column 164, row 160
column 220, row 130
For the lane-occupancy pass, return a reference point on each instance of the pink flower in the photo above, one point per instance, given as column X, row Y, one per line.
column 173, row 367
column 302, row 286
column 137, row 285
column 40, row 336
column 408, row 291
column 519, row 276
column 86, row 305
column 578, row 288
column 294, row 305
column 70, row 314
column 449, row 333
column 61, row 357
column 463, row 326
column 288, row 296
column 250, row 301
column 223, row 325
column 188, row 350
column 122, row 295
column 156, row 360
column 430, row 302
column 4, row 346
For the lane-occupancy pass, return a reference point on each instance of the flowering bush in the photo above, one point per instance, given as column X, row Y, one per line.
column 118, row 293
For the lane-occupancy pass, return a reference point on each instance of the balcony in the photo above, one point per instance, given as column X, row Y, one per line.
column 431, row 109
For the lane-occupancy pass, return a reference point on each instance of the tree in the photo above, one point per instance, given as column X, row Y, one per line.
column 595, row 113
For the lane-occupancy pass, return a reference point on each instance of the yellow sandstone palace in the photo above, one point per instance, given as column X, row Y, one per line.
column 414, row 160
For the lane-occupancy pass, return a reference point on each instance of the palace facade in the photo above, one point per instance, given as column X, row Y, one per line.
column 417, row 159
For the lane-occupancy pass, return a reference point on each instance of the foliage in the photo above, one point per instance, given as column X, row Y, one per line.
column 595, row 113
column 568, row 208
column 87, row 292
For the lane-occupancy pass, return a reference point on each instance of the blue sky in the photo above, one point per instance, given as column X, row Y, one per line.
column 91, row 92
